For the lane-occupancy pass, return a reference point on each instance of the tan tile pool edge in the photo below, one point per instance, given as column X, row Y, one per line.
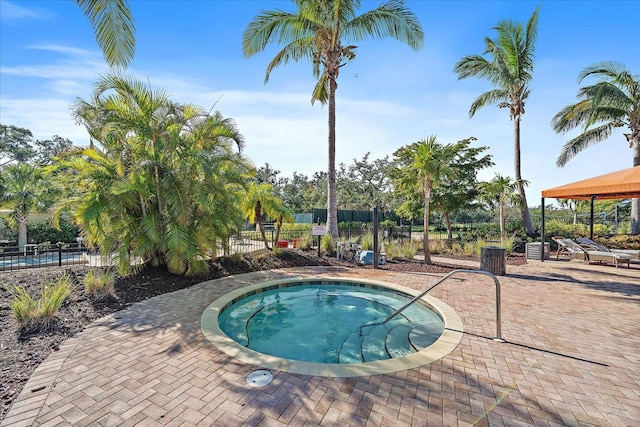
column 447, row 342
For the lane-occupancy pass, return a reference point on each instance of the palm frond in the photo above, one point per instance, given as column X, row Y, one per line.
column 492, row 97
column 114, row 29
column 582, row 141
column 391, row 19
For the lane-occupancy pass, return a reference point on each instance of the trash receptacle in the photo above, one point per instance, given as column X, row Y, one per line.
column 494, row 260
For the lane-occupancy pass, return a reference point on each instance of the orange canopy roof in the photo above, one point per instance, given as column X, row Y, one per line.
column 623, row 184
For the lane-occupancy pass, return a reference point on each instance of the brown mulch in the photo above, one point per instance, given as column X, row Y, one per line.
column 21, row 353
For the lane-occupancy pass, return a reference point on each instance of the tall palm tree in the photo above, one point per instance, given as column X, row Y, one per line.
column 321, row 31
column 23, row 189
column 160, row 180
column 425, row 165
column 113, row 27
column 509, row 67
column 501, row 191
column 614, row 101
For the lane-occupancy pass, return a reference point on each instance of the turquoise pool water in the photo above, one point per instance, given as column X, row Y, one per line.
column 327, row 322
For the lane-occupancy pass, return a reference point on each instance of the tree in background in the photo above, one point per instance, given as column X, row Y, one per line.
column 23, row 188
column 365, row 183
column 509, row 67
column 260, row 199
column 17, row 145
column 455, row 195
column 612, row 102
column 320, row 31
column 160, row 180
column 423, row 166
column 501, row 191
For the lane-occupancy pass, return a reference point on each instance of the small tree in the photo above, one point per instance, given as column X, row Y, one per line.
column 24, row 188
column 501, row 191
column 424, row 166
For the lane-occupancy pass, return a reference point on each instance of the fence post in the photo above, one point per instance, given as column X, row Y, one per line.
column 59, row 255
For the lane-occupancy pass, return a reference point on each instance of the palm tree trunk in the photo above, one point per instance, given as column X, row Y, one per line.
column 332, row 205
column 447, row 221
column 635, row 203
column 502, row 223
column 258, row 214
column 22, row 231
column 427, row 202
column 524, row 208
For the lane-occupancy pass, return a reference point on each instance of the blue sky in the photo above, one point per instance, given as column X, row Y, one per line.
column 389, row 96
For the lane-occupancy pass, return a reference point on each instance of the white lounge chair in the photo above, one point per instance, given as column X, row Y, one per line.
column 589, row 253
column 635, row 253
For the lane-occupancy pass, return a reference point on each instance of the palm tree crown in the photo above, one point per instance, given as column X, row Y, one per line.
column 321, row 31
column 612, row 102
column 509, row 67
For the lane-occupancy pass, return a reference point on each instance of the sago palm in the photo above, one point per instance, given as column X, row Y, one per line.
column 322, row 31
column 509, row 67
column 612, row 102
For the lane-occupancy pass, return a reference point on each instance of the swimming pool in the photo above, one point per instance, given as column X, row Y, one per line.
column 331, row 327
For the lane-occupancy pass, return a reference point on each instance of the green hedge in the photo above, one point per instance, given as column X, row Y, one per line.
column 43, row 232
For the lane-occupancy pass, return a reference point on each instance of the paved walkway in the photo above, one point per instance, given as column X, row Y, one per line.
column 572, row 357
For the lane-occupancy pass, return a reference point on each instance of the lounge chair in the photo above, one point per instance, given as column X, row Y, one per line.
column 588, row 252
column 635, row 253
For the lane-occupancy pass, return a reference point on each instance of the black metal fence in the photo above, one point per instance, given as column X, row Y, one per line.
column 41, row 255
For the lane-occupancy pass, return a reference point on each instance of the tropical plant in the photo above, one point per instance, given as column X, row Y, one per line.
column 259, row 200
column 423, row 166
column 321, row 31
column 113, row 27
column 23, row 188
column 500, row 191
column 38, row 314
column 509, row 67
column 453, row 196
column 612, row 102
column 160, row 180
column 99, row 283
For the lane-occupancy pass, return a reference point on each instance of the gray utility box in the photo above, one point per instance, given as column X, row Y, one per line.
column 532, row 250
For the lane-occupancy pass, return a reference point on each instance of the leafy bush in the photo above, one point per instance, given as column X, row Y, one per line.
column 99, row 284
column 39, row 314
column 621, row 241
column 43, row 232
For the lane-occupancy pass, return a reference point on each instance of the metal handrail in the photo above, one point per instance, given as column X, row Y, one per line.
column 498, row 336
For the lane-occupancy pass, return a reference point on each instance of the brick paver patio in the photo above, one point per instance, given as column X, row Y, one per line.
column 572, row 357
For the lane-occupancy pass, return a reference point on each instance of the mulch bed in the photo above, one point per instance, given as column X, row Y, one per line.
column 22, row 352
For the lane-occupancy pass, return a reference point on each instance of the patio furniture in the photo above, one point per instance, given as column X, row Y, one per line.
column 588, row 253
column 635, row 253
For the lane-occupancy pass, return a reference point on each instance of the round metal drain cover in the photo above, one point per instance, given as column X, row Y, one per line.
column 259, row 378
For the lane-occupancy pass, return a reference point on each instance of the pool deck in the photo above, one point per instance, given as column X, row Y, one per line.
column 571, row 357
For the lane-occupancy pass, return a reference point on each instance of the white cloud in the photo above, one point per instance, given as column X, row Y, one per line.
column 10, row 12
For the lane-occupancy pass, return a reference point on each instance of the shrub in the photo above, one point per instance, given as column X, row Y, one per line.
column 327, row 244
column 306, row 241
column 39, row 314
column 43, row 232
column 366, row 241
column 99, row 284
column 404, row 250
